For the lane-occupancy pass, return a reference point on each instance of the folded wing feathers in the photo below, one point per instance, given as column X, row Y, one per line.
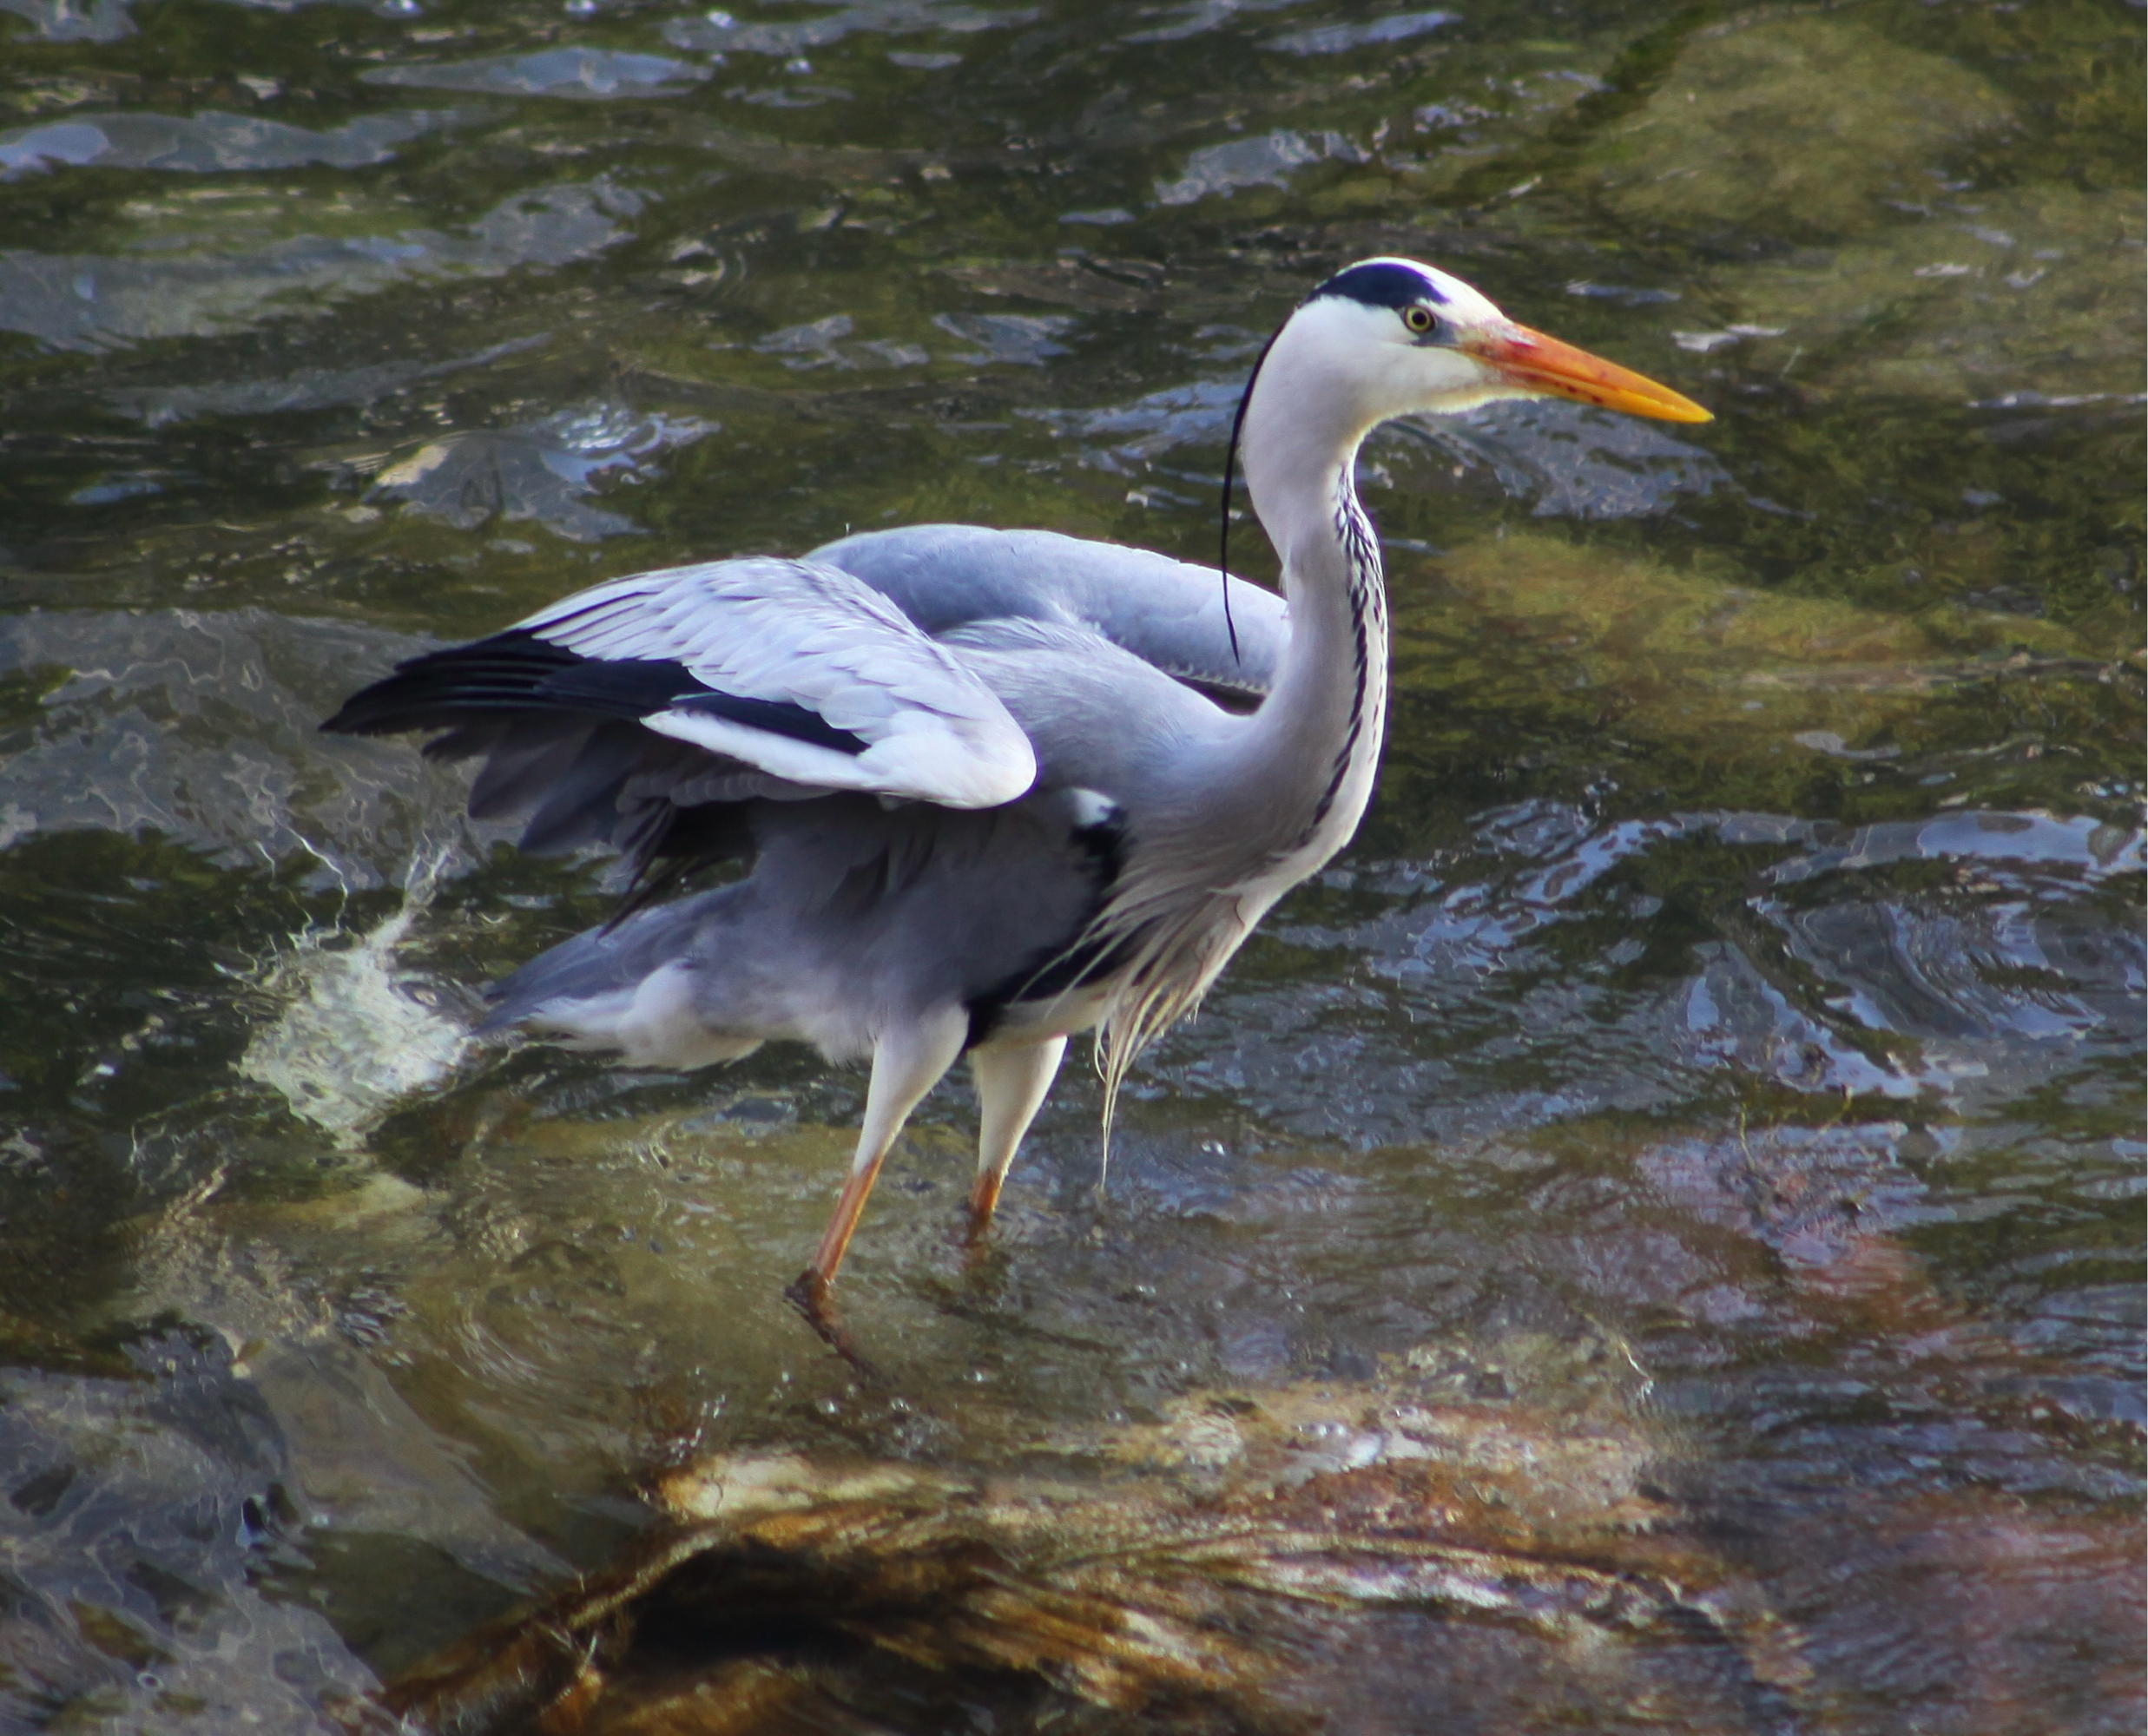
column 799, row 633
column 1170, row 614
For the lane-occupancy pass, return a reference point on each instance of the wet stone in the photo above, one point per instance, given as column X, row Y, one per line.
column 1260, row 1559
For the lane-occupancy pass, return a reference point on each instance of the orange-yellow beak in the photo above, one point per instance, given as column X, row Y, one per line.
column 1537, row 363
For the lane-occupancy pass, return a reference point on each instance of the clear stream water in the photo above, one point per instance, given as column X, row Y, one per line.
column 1742, row 958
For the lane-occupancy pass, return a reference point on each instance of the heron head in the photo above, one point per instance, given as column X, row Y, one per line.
column 1409, row 338
column 1386, row 338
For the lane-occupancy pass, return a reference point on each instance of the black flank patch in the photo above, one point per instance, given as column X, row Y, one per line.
column 1073, row 962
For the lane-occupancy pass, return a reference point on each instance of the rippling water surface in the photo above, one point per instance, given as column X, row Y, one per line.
column 1742, row 965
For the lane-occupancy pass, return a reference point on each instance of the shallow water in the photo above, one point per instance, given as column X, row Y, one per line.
column 1742, row 963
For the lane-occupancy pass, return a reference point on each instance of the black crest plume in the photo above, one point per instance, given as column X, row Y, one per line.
column 1230, row 464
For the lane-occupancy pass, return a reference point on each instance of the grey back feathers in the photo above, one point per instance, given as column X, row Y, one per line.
column 1167, row 613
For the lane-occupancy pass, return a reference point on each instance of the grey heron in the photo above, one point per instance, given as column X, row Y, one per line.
column 994, row 788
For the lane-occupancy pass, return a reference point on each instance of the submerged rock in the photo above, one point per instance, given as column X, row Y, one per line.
column 1796, row 125
column 2021, row 299
column 1283, row 1558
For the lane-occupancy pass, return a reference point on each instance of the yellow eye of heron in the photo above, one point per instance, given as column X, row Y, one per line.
column 1418, row 319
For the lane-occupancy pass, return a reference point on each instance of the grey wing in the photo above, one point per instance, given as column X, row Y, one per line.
column 765, row 640
column 610, row 715
column 642, row 712
column 1168, row 613
column 797, row 672
column 1100, row 720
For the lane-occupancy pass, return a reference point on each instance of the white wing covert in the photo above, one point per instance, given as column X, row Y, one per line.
column 812, row 676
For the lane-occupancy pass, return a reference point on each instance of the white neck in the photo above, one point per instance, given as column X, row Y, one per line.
column 1300, row 782
column 1284, row 789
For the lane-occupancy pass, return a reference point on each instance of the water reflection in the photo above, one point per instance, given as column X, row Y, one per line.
column 71, row 20
column 93, row 302
column 201, row 730
column 583, row 73
column 318, row 388
column 1740, row 977
column 209, row 143
column 1265, row 161
column 1976, row 980
column 545, row 471
column 723, row 33
column 147, row 1502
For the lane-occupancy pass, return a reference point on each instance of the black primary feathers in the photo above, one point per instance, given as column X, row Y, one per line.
column 1230, row 466
column 516, row 671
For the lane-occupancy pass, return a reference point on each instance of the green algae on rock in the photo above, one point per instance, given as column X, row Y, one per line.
column 2034, row 293
column 1791, row 125
column 1718, row 687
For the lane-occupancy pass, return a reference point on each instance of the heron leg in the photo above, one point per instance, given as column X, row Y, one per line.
column 907, row 1063
column 1011, row 1080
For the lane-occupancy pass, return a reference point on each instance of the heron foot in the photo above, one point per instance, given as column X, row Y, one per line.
column 984, row 1201
column 813, row 1296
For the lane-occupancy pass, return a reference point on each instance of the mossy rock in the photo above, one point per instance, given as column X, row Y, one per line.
column 1677, row 656
column 2032, row 290
column 1798, row 126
